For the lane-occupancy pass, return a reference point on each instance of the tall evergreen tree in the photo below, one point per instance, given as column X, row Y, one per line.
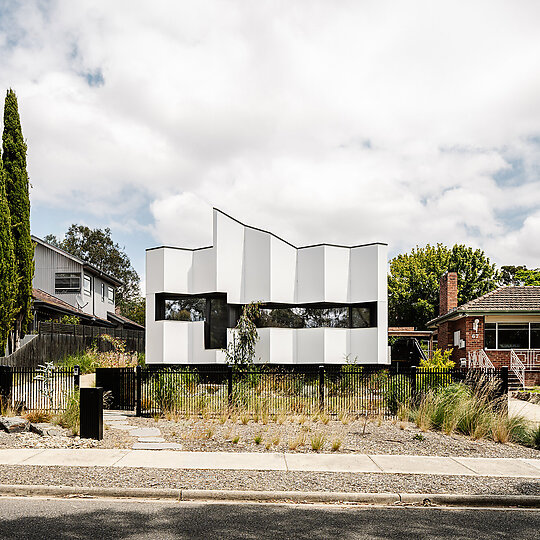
column 8, row 275
column 16, row 177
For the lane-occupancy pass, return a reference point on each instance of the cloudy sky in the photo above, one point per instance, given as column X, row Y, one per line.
column 404, row 122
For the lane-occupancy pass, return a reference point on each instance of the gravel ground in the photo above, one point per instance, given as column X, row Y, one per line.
column 295, row 435
column 384, row 437
column 264, row 480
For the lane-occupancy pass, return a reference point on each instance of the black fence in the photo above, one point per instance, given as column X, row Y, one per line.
column 120, row 383
column 356, row 390
column 29, row 389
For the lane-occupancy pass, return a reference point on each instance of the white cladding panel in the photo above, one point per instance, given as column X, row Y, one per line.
column 154, row 272
column 364, row 346
column 203, row 271
column 256, row 270
column 177, row 270
column 365, row 273
column 336, row 274
column 336, row 345
column 229, row 244
column 283, row 272
column 310, row 281
column 310, row 346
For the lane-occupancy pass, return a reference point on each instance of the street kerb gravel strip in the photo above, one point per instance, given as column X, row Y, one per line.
column 313, row 497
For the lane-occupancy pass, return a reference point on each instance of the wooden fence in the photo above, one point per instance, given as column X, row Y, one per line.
column 55, row 341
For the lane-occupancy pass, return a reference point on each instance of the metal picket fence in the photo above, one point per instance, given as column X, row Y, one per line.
column 358, row 390
column 26, row 389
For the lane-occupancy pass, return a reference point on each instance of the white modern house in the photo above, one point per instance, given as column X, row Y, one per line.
column 321, row 304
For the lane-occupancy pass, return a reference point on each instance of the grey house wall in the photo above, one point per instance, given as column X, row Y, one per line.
column 48, row 262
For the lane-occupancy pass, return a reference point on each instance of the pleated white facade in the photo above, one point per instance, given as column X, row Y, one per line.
column 251, row 265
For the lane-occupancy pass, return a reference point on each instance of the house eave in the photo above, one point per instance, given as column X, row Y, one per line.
column 459, row 313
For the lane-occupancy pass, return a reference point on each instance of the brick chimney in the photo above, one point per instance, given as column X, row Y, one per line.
column 448, row 292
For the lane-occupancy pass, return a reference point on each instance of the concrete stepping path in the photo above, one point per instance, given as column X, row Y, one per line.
column 272, row 461
column 147, row 438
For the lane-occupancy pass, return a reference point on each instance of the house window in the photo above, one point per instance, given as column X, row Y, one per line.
column 511, row 335
column 87, row 285
column 110, row 295
column 103, row 292
column 490, row 336
column 67, row 282
column 318, row 317
column 184, row 309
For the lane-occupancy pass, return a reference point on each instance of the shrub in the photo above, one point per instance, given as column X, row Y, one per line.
column 70, row 417
column 471, row 411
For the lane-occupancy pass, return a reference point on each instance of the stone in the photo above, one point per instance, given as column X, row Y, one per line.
column 145, row 432
column 150, row 439
column 14, row 424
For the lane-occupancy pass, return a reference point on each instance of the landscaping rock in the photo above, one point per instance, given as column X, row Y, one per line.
column 46, row 429
column 14, row 424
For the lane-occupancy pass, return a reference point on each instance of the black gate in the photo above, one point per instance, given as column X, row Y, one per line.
column 120, row 382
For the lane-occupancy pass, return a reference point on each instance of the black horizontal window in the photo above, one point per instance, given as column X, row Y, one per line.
column 67, row 282
column 356, row 316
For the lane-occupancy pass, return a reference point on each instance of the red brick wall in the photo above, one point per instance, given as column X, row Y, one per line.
column 448, row 293
column 465, row 325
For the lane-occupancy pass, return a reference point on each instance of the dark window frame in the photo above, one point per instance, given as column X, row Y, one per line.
column 74, row 286
column 110, row 298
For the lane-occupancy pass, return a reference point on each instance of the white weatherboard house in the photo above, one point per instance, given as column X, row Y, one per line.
column 322, row 304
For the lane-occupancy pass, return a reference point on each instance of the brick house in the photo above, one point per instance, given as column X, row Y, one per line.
column 500, row 328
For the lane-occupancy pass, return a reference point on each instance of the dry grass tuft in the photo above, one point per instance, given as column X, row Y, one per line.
column 336, row 444
column 317, row 441
column 297, row 442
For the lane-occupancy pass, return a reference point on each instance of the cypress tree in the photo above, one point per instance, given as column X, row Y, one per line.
column 8, row 279
column 16, row 178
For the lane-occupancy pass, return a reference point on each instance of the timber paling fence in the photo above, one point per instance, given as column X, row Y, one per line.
column 26, row 389
column 273, row 390
column 55, row 341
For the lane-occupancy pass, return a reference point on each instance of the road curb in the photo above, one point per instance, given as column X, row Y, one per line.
column 380, row 499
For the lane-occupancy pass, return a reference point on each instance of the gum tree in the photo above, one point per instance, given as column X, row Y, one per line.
column 16, row 184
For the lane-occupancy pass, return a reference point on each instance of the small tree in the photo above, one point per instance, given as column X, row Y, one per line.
column 439, row 360
column 8, row 273
column 16, row 178
column 241, row 350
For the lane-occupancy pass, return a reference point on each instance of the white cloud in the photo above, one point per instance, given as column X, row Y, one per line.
column 347, row 123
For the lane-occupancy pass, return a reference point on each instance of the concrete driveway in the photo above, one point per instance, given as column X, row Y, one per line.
column 524, row 408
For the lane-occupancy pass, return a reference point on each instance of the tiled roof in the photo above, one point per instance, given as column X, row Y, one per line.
column 42, row 296
column 505, row 299
column 123, row 319
column 526, row 298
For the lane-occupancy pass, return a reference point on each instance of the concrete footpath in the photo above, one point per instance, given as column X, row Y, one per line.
column 358, row 463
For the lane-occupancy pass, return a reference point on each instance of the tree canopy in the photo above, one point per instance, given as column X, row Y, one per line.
column 97, row 247
column 16, row 186
column 413, row 281
column 519, row 275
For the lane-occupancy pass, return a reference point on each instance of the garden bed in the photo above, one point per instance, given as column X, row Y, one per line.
column 294, row 434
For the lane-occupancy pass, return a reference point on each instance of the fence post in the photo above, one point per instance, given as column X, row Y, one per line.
column 321, row 388
column 504, row 380
column 76, row 377
column 229, row 385
column 138, row 397
column 6, row 381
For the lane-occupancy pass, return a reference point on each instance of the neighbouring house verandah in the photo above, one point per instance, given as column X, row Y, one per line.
column 500, row 328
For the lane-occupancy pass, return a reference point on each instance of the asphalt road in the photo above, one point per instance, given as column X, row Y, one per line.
column 31, row 518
